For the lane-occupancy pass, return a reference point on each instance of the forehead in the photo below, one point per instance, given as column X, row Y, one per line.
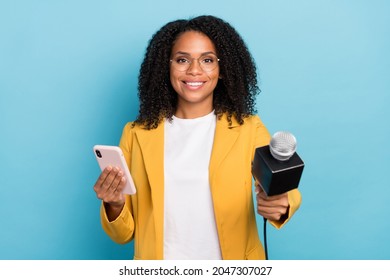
column 193, row 42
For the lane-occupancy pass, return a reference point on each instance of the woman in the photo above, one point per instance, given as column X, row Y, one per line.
column 190, row 151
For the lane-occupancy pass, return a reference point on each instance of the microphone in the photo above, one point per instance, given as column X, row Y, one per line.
column 277, row 167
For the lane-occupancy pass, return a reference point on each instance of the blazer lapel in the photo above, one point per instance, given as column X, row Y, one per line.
column 224, row 139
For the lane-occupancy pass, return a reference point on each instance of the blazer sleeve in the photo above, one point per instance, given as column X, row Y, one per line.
column 263, row 138
column 121, row 230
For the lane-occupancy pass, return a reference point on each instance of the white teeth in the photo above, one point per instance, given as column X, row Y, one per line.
column 194, row 84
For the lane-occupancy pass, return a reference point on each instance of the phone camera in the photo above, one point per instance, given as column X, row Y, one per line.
column 98, row 153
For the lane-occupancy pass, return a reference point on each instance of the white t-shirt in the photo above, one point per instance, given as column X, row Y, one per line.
column 189, row 224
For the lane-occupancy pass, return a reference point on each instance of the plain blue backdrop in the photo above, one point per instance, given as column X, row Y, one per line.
column 68, row 81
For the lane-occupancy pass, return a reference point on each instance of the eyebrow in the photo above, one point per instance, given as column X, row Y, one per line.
column 188, row 54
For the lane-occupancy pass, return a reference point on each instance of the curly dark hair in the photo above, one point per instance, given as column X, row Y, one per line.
column 234, row 94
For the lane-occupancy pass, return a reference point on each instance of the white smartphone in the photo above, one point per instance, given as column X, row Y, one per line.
column 113, row 156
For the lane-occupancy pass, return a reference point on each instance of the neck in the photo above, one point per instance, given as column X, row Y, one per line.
column 192, row 112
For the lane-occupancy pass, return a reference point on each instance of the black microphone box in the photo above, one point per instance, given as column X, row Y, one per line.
column 275, row 176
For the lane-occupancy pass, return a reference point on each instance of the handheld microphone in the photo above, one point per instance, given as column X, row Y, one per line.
column 277, row 167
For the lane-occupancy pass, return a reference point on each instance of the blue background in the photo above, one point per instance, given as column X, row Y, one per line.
column 68, row 80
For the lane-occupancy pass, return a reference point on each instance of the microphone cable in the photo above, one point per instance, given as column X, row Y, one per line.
column 265, row 238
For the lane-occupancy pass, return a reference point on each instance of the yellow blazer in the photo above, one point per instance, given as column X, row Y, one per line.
column 231, row 185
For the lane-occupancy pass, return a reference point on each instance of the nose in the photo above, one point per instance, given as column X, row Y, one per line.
column 195, row 68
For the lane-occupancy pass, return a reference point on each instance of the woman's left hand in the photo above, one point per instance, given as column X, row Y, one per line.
column 271, row 207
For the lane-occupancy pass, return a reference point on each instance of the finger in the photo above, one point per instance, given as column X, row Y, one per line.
column 116, row 182
column 117, row 186
column 272, row 206
column 121, row 185
column 272, row 201
column 272, row 209
column 277, row 197
column 262, row 192
column 116, row 197
column 102, row 178
column 271, row 213
column 109, row 180
column 266, row 202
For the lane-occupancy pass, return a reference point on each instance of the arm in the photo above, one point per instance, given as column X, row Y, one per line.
column 116, row 210
column 277, row 209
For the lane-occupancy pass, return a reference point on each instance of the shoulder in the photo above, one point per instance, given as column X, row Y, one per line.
column 132, row 127
column 255, row 127
column 256, row 122
column 129, row 130
column 253, row 120
column 248, row 121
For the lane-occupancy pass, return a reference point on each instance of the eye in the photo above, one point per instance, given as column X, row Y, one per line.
column 207, row 60
column 182, row 60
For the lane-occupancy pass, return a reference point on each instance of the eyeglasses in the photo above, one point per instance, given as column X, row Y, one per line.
column 207, row 62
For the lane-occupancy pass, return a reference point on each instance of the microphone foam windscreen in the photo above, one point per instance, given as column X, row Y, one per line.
column 283, row 145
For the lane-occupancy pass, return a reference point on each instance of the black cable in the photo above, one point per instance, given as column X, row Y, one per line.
column 265, row 239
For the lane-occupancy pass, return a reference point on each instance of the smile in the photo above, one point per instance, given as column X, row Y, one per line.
column 194, row 84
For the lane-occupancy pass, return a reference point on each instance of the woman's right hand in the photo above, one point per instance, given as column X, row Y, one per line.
column 108, row 188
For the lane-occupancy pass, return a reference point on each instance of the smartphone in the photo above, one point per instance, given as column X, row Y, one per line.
column 113, row 156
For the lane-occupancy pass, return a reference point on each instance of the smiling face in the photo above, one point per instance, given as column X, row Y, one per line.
column 194, row 86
